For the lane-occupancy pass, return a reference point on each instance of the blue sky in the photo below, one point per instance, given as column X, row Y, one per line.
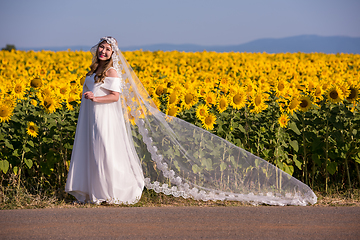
column 48, row 23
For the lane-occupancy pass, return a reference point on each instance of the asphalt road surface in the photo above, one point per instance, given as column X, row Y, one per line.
column 244, row 222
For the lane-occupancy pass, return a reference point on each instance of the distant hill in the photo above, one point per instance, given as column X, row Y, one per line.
column 303, row 43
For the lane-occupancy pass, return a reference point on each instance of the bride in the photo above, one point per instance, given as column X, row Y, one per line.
column 123, row 143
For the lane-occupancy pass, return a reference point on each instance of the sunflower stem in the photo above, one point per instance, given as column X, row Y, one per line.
column 20, row 167
column 326, row 153
column 305, row 173
column 348, row 172
column 246, row 128
column 313, row 175
column 357, row 171
column 346, row 162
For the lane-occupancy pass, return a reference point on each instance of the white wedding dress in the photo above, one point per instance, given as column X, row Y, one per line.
column 104, row 164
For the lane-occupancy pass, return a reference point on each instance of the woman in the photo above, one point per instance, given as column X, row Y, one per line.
column 104, row 164
column 123, row 143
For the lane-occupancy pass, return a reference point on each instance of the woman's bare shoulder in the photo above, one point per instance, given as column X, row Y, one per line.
column 111, row 73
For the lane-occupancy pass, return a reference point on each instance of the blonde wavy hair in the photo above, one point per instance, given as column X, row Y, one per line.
column 100, row 77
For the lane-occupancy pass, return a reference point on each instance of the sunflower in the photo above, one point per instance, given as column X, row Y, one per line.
column 63, row 90
column 203, row 91
column 45, row 92
column 210, row 99
column 202, row 111
column 305, row 103
column 209, row 80
column 5, row 112
column 160, row 90
column 310, row 85
column 36, row 83
column 82, row 80
column 22, row 72
column 10, row 101
column 222, row 104
column 42, row 72
column 334, row 94
column 49, row 77
column 172, row 111
column 224, row 89
column 19, row 90
column 173, row 98
column 177, row 87
column 233, row 89
column 281, row 88
column 32, row 129
column 345, row 90
column 263, row 87
column 318, row 92
column 238, row 100
column 353, row 95
column 209, row 121
column 31, row 71
column 224, row 81
column 70, row 67
column 49, row 104
column 33, row 102
column 69, row 100
column 130, row 117
column 250, row 88
column 283, row 120
column 189, row 100
column 293, row 105
column 141, row 112
column 258, row 102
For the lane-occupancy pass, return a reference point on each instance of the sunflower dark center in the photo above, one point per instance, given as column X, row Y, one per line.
column 304, row 103
column 258, row 100
column 237, row 98
column 188, row 98
column 281, row 86
column 222, row 103
column 18, row 89
column 352, row 94
column 334, row 94
column 208, row 120
column 36, row 83
column 159, row 90
column 3, row 112
column 47, row 104
column 63, row 90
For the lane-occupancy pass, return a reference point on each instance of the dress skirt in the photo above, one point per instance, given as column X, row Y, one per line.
column 104, row 164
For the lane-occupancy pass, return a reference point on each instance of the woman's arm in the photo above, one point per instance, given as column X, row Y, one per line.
column 111, row 97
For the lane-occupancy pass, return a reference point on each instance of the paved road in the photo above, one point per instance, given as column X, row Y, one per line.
column 245, row 222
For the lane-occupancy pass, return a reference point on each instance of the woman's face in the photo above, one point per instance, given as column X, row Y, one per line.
column 104, row 51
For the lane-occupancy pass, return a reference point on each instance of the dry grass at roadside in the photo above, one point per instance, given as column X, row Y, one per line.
column 21, row 199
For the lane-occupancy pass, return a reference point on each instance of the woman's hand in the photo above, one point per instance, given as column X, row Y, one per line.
column 89, row 95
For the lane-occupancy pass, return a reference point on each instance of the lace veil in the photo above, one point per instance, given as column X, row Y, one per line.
column 181, row 159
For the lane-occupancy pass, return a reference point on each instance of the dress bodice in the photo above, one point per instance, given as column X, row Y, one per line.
column 102, row 88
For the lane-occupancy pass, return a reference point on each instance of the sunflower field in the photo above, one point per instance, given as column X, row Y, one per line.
column 298, row 111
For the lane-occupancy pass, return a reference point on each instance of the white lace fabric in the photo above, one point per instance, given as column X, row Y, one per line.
column 186, row 161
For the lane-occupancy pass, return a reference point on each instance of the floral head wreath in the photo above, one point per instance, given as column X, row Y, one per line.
column 116, row 52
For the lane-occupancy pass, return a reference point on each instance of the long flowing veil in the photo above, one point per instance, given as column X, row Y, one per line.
column 181, row 159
